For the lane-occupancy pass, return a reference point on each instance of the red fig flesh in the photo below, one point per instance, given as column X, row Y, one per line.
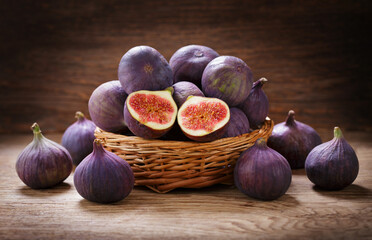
column 150, row 114
column 203, row 119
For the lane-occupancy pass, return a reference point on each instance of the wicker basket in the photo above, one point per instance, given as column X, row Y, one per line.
column 163, row 165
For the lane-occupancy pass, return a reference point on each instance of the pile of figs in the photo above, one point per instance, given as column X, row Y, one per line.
column 197, row 96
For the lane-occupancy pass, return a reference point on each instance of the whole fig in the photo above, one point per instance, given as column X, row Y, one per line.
column 332, row 165
column 103, row 176
column 238, row 123
column 262, row 173
column 43, row 163
column 78, row 138
column 294, row 140
column 256, row 106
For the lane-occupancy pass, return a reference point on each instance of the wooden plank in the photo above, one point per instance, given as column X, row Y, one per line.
column 53, row 55
column 218, row 212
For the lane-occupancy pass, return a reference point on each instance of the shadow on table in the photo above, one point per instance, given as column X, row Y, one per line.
column 58, row 189
column 299, row 171
column 351, row 192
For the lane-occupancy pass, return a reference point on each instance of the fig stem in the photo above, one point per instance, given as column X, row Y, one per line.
column 338, row 133
column 37, row 133
column 263, row 80
column 290, row 121
column 261, row 142
column 79, row 115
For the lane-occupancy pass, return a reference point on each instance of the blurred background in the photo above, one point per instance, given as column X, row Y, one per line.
column 315, row 54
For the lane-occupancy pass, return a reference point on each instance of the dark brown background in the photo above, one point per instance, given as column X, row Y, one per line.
column 315, row 54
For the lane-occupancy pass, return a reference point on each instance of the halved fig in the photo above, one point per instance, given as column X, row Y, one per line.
column 203, row 119
column 150, row 114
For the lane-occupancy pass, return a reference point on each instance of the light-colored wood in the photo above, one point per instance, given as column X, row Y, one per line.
column 218, row 212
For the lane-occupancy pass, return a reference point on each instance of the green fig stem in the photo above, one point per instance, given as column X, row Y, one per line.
column 338, row 133
column 79, row 115
column 37, row 132
column 261, row 142
column 170, row 89
column 290, row 121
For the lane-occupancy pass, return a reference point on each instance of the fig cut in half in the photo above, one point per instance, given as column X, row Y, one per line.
column 150, row 114
column 203, row 119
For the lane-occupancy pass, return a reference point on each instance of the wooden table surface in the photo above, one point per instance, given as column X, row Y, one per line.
column 218, row 212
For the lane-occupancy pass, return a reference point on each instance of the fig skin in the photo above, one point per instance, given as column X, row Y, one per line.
column 189, row 62
column 182, row 90
column 256, row 106
column 262, row 173
column 144, row 68
column 141, row 130
column 103, row 177
column 78, row 138
column 106, row 106
column 238, row 123
column 294, row 140
column 228, row 78
column 209, row 136
column 332, row 165
column 43, row 163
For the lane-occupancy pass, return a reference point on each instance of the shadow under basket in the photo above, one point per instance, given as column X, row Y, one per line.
column 164, row 165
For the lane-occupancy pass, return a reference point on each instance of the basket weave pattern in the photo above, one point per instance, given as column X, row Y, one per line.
column 163, row 165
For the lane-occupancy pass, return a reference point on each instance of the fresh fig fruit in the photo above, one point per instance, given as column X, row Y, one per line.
column 294, row 140
column 256, row 106
column 144, row 68
column 78, row 138
column 189, row 62
column 106, row 106
column 150, row 114
column 261, row 172
column 203, row 119
column 238, row 123
column 182, row 90
column 228, row 78
column 332, row 165
column 43, row 163
column 103, row 176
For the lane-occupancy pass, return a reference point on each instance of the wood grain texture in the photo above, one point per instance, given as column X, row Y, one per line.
column 218, row 212
column 315, row 54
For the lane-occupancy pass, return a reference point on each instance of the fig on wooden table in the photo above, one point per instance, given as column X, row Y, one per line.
column 189, row 62
column 294, row 140
column 228, row 78
column 78, row 138
column 203, row 119
column 332, row 165
column 144, row 68
column 150, row 114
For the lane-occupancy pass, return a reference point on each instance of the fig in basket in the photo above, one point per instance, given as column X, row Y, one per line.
column 228, row 78
column 144, row 68
column 203, row 119
column 150, row 114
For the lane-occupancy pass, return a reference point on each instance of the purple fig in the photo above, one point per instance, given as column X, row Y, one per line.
column 228, row 78
column 238, row 123
column 189, row 62
column 43, row 163
column 332, row 165
column 103, row 176
column 78, row 138
column 256, row 106
column 182, row 90
column 144, row 68
column 262, row 173
column 150, row 114
column 294, row 140
column 106, row 106
column 203, row 119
